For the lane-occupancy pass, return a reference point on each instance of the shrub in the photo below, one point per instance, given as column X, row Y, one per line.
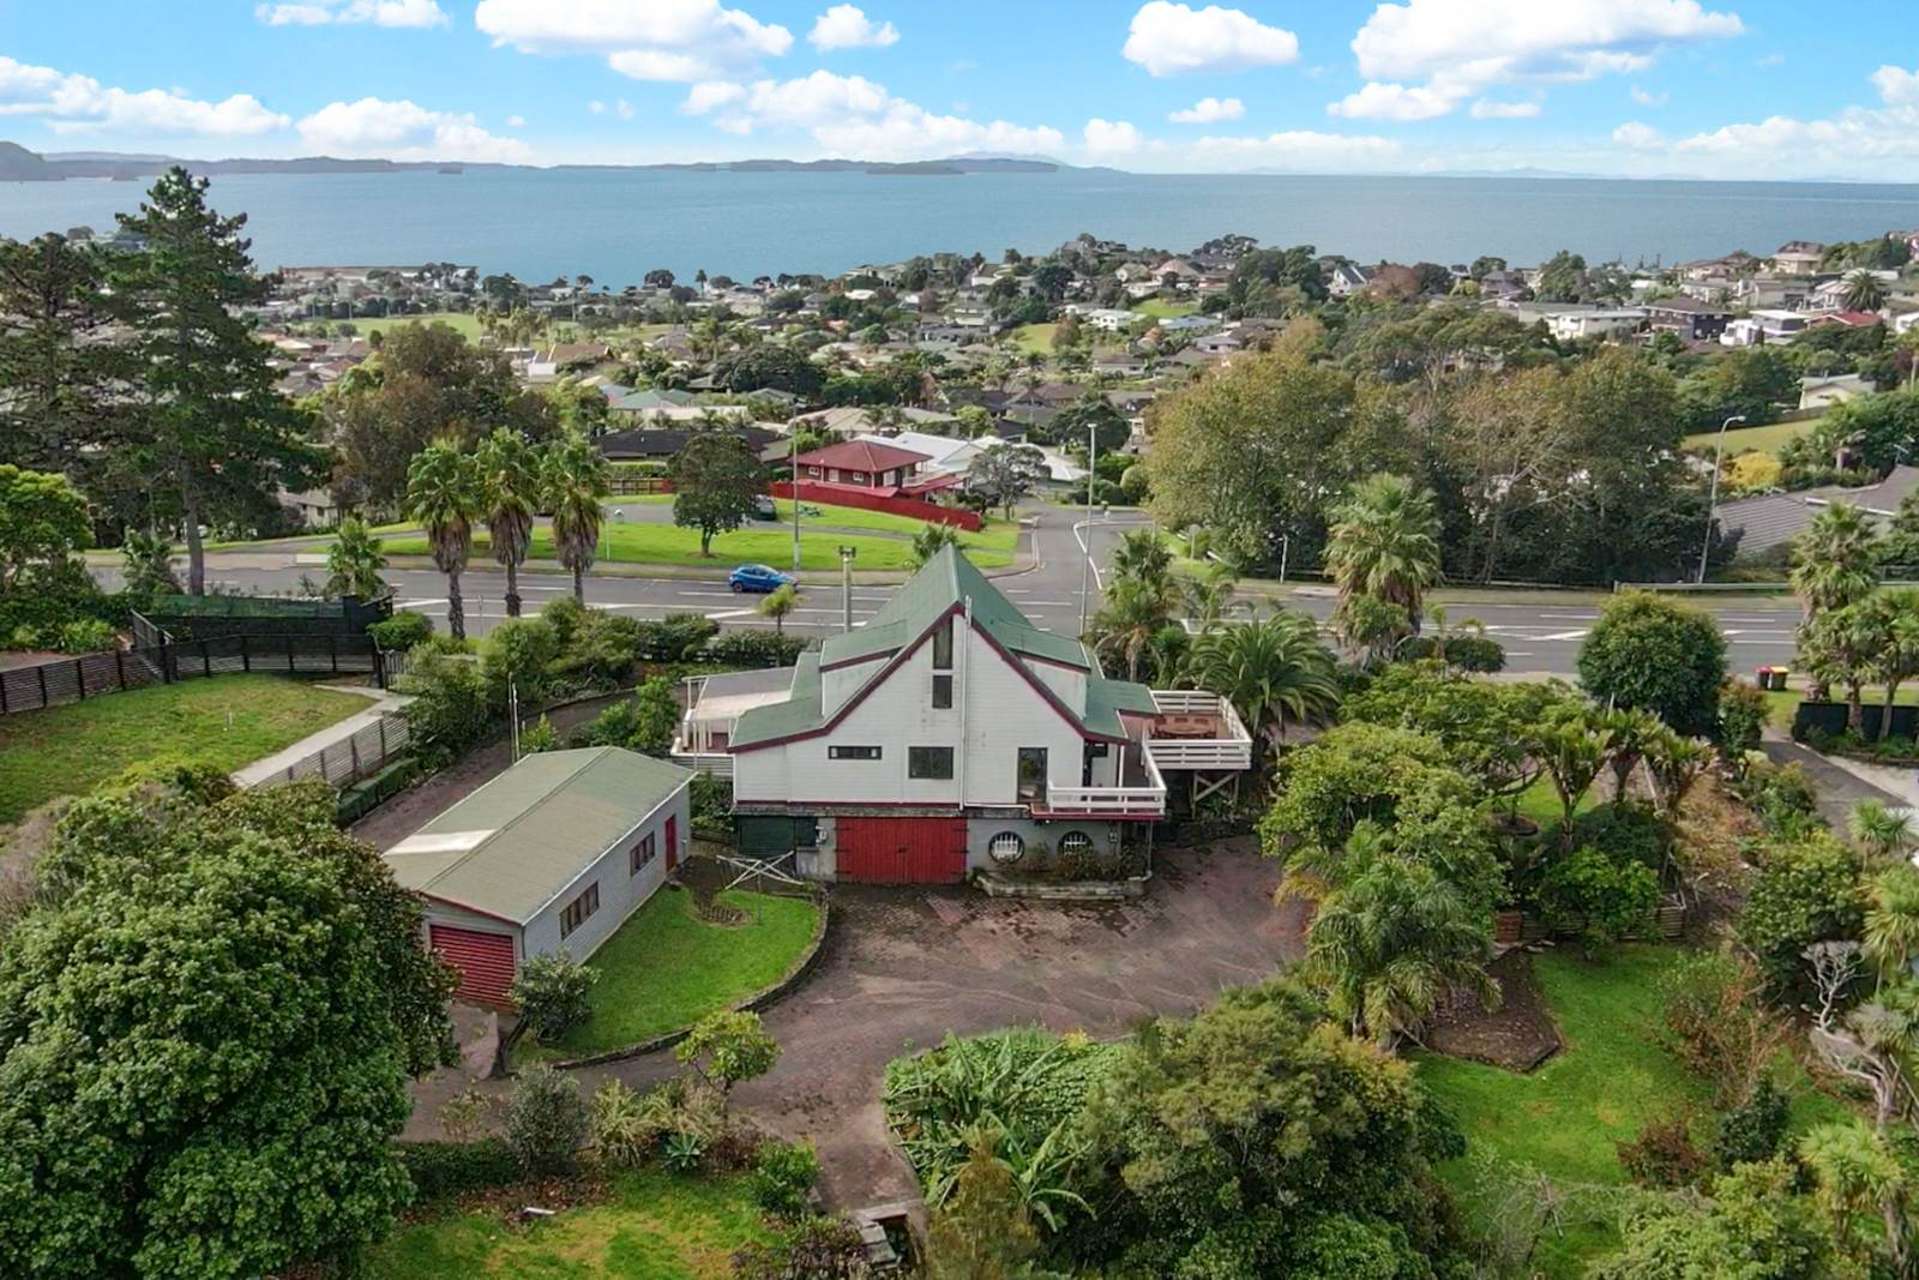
column 452, row 707
column 645, row 722
column 551, row 991
column 622, row 1126
column 1663, row 1155
column 755, row 649
column 784, row 1174
column 539, row 736
column 1753, row 1131
column 1666, row 658
column 682, row 1152
column 362, row 798
column 441, row 1170
column 545, row 1121
column 1808, row 890
column 711, row 800
column 86, row 635
column 1480, row 654
column 520, row 652
column 602, row 651
column 1719, row 1022
column 567, row 616
column 678, row 637
column 1600, row 899
column 1743, row 710
column 728, row 1047
column 401, row 632
column 812, row 1249
column 1624, row 832
column 1782, row 796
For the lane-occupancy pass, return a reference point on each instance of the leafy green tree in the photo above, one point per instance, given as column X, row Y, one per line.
column 1490, row 729
column 1807, row 891
column 717, row 482
column 220, row 437
column 443, row 493
column 932, row 539
column 354, row 562
column 1384, row 546
column 578, row 483
column 982, row 1230
column 1274, row 671
column 511, row 488
column 250, row 988
column 146, row 565
column 1652, row 654
column 1562, row 278
column 1754, row 1225
column 770, row 367
column 726, row 1048
column 1091, row 412
column 56, row 359
column 1000, row 475
column 520, row 653
column 779, row 605
column 43, row 524
column 552, row 992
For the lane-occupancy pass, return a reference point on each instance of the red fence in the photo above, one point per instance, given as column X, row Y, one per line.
column 913, row 508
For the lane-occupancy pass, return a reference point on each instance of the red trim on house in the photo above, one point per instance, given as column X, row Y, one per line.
column 852, row 808
column 478, row 911
column 899, row 659
column 876, row 656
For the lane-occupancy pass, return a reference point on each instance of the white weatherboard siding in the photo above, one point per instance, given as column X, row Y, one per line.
column 438, row 912
column 840, row 683
column 621, row 893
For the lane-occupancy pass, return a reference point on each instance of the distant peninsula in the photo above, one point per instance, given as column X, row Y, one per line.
column 18, row 164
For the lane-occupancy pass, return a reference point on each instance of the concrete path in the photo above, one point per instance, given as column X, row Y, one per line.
column 1840, row 788
column 264, row 770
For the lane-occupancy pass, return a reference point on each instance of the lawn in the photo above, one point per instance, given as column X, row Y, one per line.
column 666, row 968
column 465, row 323
column 653, row 1227
column 1612, row 1077
column 760, row 542
column 227, row 720
column 1769, row 439
column 996, row 535
column 1784, row 703
column 1035, row 339
column 1160, row 309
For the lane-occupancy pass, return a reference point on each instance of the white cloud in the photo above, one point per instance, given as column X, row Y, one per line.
column 1455, row 49
column 1647, row 98
column 1377, row 101
column 596, row 107
column 404, row 131
column 1111, row 137
column 846, row 26
column 675, row 40
column 1638, row 137
column 854, row 117
column 624, row 108
column 1897, row 86
column 1492, row 109
column 80, row 104
column 1169, row 39
column 1210, row 111
column 516, row 122
column 1298, row 149
column 380, row 13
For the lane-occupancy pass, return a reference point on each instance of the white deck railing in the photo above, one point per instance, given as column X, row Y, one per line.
column 1231, row 749
column 717, row 763
column 1112, row 802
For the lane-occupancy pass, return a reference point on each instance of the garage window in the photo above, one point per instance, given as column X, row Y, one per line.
column 578, row 910
column 1076, row 842
column 1007, row 846
column 934, row 763
column 644, row 852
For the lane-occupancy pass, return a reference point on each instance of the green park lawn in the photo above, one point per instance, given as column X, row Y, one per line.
column 1784, row 703
column 1035, row 339
column 465, row 323
column 653, row 1226
column 1161, row 309
column 1769, row 439
column 759, row 542
column 666, row 968
column 228, row 721
column 1563, row 1118
column 996, row 535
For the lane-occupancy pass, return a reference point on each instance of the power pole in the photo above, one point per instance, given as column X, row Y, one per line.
column 1092, row 478
column 847, row 555
column 795, row 451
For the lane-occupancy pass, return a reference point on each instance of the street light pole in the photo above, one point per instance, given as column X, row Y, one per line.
column 1712, row 500
column 846, row 586
column 1086, row 542
column 795, row 451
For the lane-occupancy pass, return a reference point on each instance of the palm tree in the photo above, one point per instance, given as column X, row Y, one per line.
column 1895, row 659
column 931, row 540
column 576, row 486
column 1385, row 545
column 1883, row 833
column 443, row 494
column 1392, row 940
column 1891, row 933
column 510, row 487
column 1864, row 291
column 778, row 604
column 1209, row 597
column 354, row 562
column 1125, row 625
column 1143, row 556
column 1834, row 562
column 1273, row 670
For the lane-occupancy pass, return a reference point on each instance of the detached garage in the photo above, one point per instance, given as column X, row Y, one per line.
column 554, row 854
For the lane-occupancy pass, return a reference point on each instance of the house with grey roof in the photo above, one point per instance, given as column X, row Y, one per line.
column 1767, row 522
column 554, row 854
column 947, row 735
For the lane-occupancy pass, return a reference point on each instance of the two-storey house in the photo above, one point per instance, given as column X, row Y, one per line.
column 948, row 734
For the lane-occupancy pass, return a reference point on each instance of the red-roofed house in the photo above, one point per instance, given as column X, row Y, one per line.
column 866, row 464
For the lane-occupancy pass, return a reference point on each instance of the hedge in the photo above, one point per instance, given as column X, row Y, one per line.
column 362, row 798
column 755, row 649
column 441, row 1170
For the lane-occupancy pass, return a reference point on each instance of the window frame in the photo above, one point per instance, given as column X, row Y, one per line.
column 942, row 691
column 854, row 753
column 1021, row 792
column 943, row 644
column 643, row 853
column 577, row 912
column 917, row 759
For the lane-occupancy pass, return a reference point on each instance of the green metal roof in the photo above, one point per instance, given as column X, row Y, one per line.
column 509, row 848
column 948, row 580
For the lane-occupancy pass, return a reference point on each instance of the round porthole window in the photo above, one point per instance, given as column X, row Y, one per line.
column 1007, row 846
column 1076, row 842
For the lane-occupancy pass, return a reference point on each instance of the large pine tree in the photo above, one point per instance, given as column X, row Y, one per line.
column 61, row 375
column 221, row 437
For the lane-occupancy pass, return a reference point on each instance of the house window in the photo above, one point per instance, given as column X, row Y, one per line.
column 1076, row 842
column 942, row 692
column 852, row 753
column 1032, row 774
column 934, row 763
column 1007, row 846
column 644, row 852
column 943, row 645
column 579, row 909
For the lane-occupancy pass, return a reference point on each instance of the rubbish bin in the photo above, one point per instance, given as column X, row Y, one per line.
column 1778, row 680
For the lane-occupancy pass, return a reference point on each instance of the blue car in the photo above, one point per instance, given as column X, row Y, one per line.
column 757, row 577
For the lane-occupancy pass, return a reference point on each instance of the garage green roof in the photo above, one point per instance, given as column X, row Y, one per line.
column 512, row 846
column 799, row 713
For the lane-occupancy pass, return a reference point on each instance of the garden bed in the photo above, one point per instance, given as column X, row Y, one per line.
column 1518, row 1036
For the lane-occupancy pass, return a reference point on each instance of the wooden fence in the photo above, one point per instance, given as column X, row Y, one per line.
column 64, row 680
column 353, row 759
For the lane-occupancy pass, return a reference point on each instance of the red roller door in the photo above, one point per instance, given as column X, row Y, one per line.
column 484, row 962
column 901, row 850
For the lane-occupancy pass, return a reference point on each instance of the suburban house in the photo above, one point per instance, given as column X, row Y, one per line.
column 1767, row 523
column 552, row 855
column 1345, row 279
column 1764, row 326
column 1799, row 258
column 1692, row 319
column 866, row 464
column 661, row 444
column 1832, row 389
column 947, row 735
column 1570, row 326
column 944, row 454
column 849, row 420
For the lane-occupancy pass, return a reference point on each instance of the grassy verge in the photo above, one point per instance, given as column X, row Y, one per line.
column 1784, row 703
column 1769, row 439
column 1612, row 1077
column 227, row 720
column 666, row 968
column 996, row 535
column 464, row 323
column 760, row 543
column 653, row 1227
column 1035, row 339
column 1160, row 309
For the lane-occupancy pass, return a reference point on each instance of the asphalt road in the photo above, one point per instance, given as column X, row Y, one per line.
column 1540, row 637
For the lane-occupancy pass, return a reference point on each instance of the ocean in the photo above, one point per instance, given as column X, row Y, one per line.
column 616, row 225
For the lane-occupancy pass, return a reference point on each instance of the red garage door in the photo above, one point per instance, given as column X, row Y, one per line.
column 484, row 962
column 901, row 850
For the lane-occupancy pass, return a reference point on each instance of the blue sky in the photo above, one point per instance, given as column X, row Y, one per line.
column 1710, row 88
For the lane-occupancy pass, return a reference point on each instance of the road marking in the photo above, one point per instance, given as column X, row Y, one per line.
column 730, row 613
column 421, row 604
column 1563, row 635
